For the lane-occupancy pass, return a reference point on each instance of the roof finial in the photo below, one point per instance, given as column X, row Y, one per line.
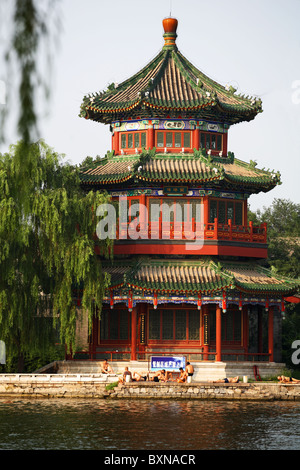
column 170, row 27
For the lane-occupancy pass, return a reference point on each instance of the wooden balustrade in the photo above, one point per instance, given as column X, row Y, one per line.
column 160, row 230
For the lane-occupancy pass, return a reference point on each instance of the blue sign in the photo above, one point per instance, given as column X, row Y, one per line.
column 169, row 363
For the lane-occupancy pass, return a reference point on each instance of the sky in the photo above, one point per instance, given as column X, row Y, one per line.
column 252, row 45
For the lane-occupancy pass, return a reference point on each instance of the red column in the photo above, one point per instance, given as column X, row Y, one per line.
column 205, row 210
column 218, row 333
column 133, row 333
column 271, row 332
column 196, row 138
column 116, row 142
column 260, row 332
column 150, row 135
column 205, row 335
column 143, row 217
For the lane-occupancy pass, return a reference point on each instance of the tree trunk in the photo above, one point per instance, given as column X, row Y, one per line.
column 20, row 362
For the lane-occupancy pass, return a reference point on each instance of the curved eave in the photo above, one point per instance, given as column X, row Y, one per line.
column 251, row 183
column 107, row 114
column 268, row 289
column 107, row 180
column 188, row 290
column 168, row 179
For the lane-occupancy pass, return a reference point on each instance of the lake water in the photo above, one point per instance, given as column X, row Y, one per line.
column 59, row 424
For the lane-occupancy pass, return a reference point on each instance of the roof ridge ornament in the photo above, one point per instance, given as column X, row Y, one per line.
column 170, row 26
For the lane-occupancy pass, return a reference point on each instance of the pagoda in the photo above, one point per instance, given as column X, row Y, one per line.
column 188, row 275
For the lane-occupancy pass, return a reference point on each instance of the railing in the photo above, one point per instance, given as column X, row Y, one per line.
column 194, row 356
column 161, row 230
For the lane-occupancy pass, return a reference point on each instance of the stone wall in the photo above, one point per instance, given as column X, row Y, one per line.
column 53, row 386
column 89, row 386
column 206, row 391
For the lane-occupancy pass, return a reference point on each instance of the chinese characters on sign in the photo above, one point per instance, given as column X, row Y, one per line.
column 168, row 363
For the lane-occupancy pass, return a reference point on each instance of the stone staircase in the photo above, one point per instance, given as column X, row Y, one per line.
column 204, row 371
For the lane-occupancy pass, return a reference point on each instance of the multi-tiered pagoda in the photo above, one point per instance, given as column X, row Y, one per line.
column 188, row 275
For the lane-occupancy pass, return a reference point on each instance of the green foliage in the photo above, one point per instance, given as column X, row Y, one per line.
column 47, row 224
column 34, row 26
column 111, row 386
column 283, row 225
column 32, row 361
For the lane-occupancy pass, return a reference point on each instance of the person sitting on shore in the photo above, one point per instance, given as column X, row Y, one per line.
column 127, row 376
column 182, row 376
column 232, row 380
column 106, row 368
column 283, row 379
column 189, row 369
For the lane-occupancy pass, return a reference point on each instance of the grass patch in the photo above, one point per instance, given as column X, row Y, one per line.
column 111, row 386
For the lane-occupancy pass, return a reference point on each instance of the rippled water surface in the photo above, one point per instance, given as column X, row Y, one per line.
column 148, row 424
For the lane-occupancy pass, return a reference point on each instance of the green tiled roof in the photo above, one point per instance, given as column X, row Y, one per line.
column 178, row 168
column 251, row 277
column 170, row 83
column 198, row 276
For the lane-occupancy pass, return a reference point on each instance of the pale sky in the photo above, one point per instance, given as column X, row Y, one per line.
column 253, row 45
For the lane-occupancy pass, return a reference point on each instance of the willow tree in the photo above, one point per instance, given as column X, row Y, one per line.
column 47, row 227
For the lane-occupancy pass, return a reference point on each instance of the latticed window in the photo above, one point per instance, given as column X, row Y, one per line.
column 178, row 210
column 130, row 140
column 180, row 324
column 238, row 213
column 174, row 325
column 213, row 210
column 167, row 324
column 211, row 141
column 194, row 324
column 175, row 139
column 154, row 324
column 123, row 141
column 230, row 325
column 115, row 325
column 224, row 210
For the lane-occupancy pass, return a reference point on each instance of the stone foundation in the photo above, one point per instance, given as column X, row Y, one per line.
column 95, row 386
column 207, row 391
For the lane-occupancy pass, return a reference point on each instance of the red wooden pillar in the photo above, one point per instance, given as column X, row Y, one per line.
column 205, row 210
column 271, row 333
column 218, row 333
column 260, row 332
column 116, row 142
column 150, row 135
column 205, row 336
column 143, row 217
column 196, row 140
column 133, row 333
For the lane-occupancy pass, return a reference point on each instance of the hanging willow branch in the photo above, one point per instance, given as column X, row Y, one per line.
column 46, row 246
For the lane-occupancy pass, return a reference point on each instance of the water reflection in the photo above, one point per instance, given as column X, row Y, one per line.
column 148, row 424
